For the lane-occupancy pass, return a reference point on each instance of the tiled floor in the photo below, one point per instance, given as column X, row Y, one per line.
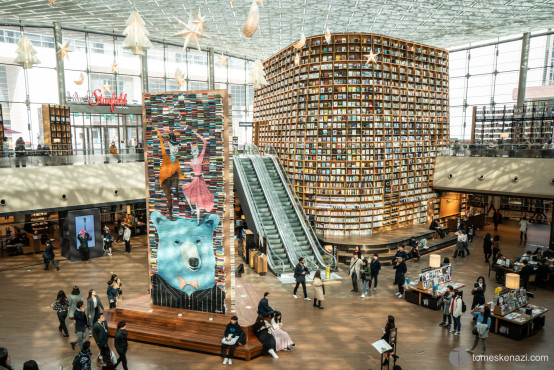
column 338, row 337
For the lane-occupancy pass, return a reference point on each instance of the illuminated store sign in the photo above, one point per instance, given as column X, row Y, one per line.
column 96, row 97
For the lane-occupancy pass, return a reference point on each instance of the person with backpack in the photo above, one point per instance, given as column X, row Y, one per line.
column 107, row 358
column 120, row 342
column 112, row 294
column 82, row 360
column 482, row 327
column 456, row 307
column 446, row 302
column 374, row 267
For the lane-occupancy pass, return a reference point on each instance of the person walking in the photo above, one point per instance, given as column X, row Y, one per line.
column 523, row 225
column 482, row 327
column 460, row 244
column 354, row 273
column 112, row 294
column 80, row 324
column 94, row 304
column 496, row 219
column 365, row 272
column 120, row 231
column 283, row 342
column 120, row 343
column 74, row 298
column 267, row 340
column 375, row 267
column 232, row 337
column 61, row 306
column 100, row 331
column 446, row 303
column 127, row 238
column 107, row 241
column 82, row 360
column 319, row 290
column 300, row 273
column 470, row 233
column 107, row 358
column 456, row 308
column 487, row 247
column 399, row 276
column 478, row 292
column 48, row 256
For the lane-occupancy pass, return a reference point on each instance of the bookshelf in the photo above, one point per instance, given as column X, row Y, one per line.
column 534, row 122
column 509, row 301
column 358, row 141
column 39, row 222
column 57, row 129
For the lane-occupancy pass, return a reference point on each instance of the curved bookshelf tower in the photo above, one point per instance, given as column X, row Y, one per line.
column 357, row 139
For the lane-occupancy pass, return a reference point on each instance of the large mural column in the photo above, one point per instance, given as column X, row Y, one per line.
column 189, row 199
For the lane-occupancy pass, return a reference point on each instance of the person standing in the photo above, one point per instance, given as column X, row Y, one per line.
column 100, row 331
column 496, row 219
column 94, row 304
column 80, row 324
column 120, row 342
column 127, row 238
column 264, row 309
column 82, row 360
column 482, row 326
column 366, row 276
column 117, row 284
column 49, row 256
column 460, row 244
column 355, row 265
column 456, row 308
column 112, row 294
column 523, row 225
column 446, row 302
column 83, row 238
column 319, row 290
column 119, row 232
column 231, row 338
column 300, row 273
column 20, row 153
column 73, row 299
column 478, row 292
column 399, row 253
column 487, row 247
column 30, row 365
column 375, row 267
column 399, row 276
column 61, row 306
column 470, row 233
column 386, row 337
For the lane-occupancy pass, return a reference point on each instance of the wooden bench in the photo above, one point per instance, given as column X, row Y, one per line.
column 193, row 330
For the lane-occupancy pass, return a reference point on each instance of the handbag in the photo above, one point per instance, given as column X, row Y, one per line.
column 323, row 287
column 230, row 342
column 474, row 331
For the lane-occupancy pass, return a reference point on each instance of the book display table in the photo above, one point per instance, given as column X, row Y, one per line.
column 428, row 298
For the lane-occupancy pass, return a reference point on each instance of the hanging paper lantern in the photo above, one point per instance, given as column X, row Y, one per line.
column 252, row 21
column 26, row 54
column 137, row 34
column 257, row 75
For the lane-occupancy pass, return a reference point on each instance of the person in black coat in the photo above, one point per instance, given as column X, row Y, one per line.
column 233, row 334
column 400, row 253
column 120, row 342
column 399, row 278
column 100, row 331
column 264, row 309
column 267, row 340
column 83, row 238
column 374, row 267
column 81, row 322
column 300, row 273
column 49, row 256
column 526, row 272
column 478, row 292
column 487, row 247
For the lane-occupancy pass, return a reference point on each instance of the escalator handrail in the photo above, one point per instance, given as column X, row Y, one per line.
column 258, row 221
column 314, row 241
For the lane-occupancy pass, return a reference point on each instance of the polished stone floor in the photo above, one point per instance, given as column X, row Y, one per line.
column 338, row 337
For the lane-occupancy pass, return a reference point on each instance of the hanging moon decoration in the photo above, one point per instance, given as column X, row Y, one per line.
column 252, row 21
column 300, row 43
column 327, row 36
column 80, row 80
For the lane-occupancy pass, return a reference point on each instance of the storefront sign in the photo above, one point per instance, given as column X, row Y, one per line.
column 245, row 124
column 96, row 98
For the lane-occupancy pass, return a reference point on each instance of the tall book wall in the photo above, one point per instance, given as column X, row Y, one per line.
column 357, row 139
column 57, row 129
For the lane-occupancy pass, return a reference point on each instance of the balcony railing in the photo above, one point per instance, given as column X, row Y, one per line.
column 75, row 157
column 499, row 150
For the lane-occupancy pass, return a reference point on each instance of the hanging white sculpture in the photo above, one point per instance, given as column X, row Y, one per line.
column 257, row 75
column 137, row 34
column 26, row 54
column 252, row 20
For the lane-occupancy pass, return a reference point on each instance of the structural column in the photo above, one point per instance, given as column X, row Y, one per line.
column 523, row 65
column 144, row 71
column 211, row 79
column 551, row 244
column 59, row 63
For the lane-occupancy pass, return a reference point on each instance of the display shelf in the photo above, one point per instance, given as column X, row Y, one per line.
column 358, row 140
column 57, row 129
column 39, row 222
column 509, row 301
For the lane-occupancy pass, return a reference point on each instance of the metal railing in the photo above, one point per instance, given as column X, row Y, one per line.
column 257, row 220
column 270, row 151
column 70, row 157
column 498, row 150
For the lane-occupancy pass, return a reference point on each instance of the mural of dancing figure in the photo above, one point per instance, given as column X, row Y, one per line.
column 170, row 170
column 197, row 192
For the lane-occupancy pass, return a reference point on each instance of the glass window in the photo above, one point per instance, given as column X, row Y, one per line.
column 220, row 72
column 101, row 56
column 130, row 85
column 481, row 60
column 98, row 81
column 156, row 65
column 156, row 84
column 237, row 72
column 43, row 85
column 509, row 55
column 9, row 37
column 505, row 84
column 238, row 96
column 198, row 85
column 77, row 59
column 197, row 64
column 177, row 58
column 43, row 42
column 128, row 64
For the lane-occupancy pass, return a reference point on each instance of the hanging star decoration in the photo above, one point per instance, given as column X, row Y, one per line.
column 26, row 53
column 300, row 43
column 51, row 2
column 114, row 67
column 107, row 88
column 297, row 60
column 137, row 34
column 64, row 50
column 252, row 20
column 191, row 31
column 199, row 22
column 180, row 78
column 327, row 36
column 257, row 75
column 80, row 81
column 370, row 57
column 222, row 61
column 259, row 2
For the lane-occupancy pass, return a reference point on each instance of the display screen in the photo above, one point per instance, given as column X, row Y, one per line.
column 85, row 223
